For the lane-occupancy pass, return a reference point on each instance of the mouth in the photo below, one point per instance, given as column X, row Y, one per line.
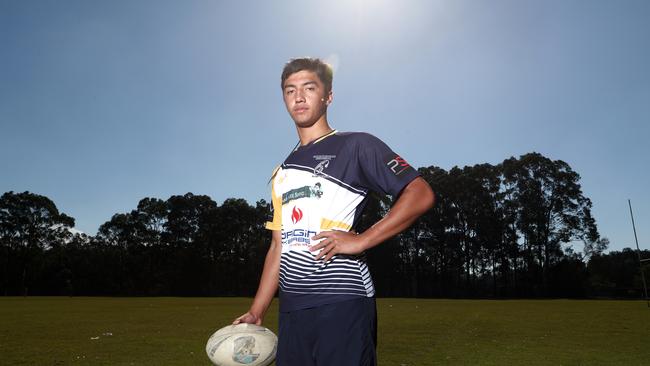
column 300, row 110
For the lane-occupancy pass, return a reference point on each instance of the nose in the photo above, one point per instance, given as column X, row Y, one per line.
column 300, row 96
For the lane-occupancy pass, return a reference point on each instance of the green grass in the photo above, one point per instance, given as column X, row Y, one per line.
column 173, row 331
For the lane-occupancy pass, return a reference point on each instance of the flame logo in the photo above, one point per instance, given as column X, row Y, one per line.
column 296, row 215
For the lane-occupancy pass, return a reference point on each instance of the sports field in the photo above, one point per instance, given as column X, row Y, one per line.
column 173, row 331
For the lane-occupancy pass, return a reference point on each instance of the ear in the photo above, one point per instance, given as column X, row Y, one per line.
column 329, row 98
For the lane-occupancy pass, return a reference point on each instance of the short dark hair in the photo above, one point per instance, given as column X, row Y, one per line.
column 316, row 65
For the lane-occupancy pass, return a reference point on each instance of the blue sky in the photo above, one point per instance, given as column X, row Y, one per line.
column 103, row 103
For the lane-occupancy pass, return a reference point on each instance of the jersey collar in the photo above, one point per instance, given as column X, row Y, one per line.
column 331, row 133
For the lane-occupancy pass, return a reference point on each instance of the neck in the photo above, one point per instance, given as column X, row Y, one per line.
column 311, row 133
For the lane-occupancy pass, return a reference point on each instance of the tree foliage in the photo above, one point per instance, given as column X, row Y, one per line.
column 505, row 230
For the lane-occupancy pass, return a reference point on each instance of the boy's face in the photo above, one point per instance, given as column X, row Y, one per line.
column 305, row 97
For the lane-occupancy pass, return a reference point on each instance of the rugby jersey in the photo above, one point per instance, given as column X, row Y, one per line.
column 323, row 186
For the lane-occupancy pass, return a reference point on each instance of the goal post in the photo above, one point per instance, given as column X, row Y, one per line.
column 642, row 261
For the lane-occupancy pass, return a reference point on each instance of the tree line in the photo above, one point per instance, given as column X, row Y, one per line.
column 496, row 231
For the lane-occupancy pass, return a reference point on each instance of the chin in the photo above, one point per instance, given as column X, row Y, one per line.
column 304, row 124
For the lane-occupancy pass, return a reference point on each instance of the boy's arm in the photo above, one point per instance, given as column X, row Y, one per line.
column 268, row 283
column 416, row 198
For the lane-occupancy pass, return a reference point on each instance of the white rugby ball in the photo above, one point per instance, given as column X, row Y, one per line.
column 242, row 344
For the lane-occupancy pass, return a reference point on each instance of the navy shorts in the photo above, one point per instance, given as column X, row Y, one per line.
column 339, row 334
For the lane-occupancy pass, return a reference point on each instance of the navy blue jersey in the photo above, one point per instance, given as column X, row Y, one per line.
column 323, row 186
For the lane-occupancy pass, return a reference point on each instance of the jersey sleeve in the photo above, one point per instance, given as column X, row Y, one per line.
column 383, row 170
column 276, row 206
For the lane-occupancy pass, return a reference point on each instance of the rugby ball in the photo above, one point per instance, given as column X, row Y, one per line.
column 242, row 344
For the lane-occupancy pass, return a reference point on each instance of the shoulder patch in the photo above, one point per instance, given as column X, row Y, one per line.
column 396, row 164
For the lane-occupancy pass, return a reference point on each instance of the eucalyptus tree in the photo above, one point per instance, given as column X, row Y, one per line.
column 551, row 209
column 29, row 225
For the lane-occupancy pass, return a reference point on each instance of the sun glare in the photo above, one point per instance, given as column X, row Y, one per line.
column 379, row 22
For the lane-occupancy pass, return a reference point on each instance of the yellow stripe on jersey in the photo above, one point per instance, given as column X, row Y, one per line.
column 327, row 224
column 276, row 224
column 325, row 136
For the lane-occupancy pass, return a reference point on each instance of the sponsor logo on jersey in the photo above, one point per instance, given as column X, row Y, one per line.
column 301, row 236
column 302, row 192
column 296, row 215
column 396, row 164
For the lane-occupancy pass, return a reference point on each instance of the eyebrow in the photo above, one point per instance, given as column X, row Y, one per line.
column 303, row 84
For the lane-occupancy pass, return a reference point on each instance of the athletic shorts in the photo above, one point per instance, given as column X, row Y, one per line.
column 339, row 334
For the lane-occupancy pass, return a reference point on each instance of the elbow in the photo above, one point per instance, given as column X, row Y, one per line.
column 425, row 198
column 430, row 198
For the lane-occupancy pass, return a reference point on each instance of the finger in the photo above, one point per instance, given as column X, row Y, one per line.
column 323, row 243
column 246, row 318
column 322, row 235
column 321, row 253
column 242, row 319
column 330, row 247
column 329, row 256
column 320, row 245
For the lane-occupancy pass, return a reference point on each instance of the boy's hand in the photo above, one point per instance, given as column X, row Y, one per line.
column 337, row 242
column 248, row 318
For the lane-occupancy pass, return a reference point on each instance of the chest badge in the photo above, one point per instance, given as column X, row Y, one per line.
column 318, row 170
column 323, row 163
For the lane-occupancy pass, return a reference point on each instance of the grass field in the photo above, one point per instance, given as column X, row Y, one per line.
column 173, row 331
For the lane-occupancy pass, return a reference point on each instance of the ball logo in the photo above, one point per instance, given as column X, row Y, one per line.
column 243, row 352
column 296, row 215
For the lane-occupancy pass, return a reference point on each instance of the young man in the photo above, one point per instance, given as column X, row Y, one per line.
column 327, row 305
